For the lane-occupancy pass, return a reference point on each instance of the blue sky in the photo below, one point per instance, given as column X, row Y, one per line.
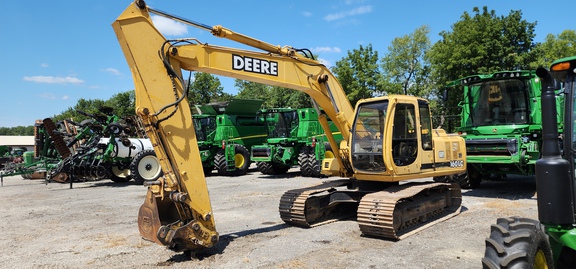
column 56, row 52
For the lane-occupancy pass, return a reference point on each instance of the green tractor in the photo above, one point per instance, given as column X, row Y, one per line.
column 501, row 121
column 226, row 131
column 295, row 137
column 549, row 242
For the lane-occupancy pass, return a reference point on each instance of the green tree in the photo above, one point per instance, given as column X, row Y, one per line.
column 206, row 88
column 359, row 74
column 554, row 48
column 284, row 97
column 481, row 43
column 273, row 96
column 90, row 106
column 405, row 68
column 253, row 90
column 17, row 130
column 123, row 104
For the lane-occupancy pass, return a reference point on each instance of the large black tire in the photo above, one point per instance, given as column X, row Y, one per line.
column 241, row 162
column 517, row 243
column 208, row 170
column 269, row 168
column 469, row 180
column 472, row 179
column 309, row 166
column 460, row 179
column 145, row 167
column 220, row 164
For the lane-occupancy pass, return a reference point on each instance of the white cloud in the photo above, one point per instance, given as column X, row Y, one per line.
column 113, row 71
column 306, row 13
column 169, row 27
column 325, row 62
column 51, row 96
column 44, row 65
column 353, row 12
column 54, row 80
column 352, row 2
column 48, row 96
column 326, row 49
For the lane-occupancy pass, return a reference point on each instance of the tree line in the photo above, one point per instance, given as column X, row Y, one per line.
column 479, row 42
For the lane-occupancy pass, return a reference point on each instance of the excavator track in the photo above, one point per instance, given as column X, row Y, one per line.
column 400, row 211
column 297, row 209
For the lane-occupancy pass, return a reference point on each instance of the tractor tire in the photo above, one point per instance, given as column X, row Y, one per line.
column 208, row 170
column 516, row 243
column 220, row 164
column 472, row 179
column 269, row 168
column 309, row 166
column 460, row 179
column 119, row 175
column 241, row 162
column 469, row 180
column 145, row 167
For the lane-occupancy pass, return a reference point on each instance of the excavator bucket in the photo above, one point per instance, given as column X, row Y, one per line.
column 148, row 219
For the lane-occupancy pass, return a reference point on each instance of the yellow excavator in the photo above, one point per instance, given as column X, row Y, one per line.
column 386, row 140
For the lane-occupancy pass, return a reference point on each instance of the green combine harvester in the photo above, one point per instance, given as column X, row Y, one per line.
column 226, row 132
column 295, row 137
column 501, row 121
column 549, row 242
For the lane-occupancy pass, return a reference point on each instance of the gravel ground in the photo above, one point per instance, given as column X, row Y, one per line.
column 93, row 225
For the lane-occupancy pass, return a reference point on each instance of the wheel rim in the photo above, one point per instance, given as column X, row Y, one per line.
column 149, row 168
column 120, row 173
column 239, row 160
column 540, row 260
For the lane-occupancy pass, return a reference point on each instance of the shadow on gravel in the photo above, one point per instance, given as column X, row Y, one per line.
column 96, row 184
column 255, row 172
column 512, row 187
column 287, row 175
column 220, row 246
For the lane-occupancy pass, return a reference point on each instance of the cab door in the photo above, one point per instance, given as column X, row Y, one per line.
column 404, row 141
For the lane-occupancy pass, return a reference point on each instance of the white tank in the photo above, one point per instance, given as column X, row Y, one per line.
column 138, row 144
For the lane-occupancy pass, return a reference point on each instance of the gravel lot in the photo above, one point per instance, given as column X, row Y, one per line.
column 94, row 225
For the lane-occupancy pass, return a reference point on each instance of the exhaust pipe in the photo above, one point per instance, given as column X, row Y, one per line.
column 553, row 176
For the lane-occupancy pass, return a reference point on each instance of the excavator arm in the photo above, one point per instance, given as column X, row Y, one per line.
column 177, row 211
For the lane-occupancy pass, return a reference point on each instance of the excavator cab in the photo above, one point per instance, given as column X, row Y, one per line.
column 391, row 136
